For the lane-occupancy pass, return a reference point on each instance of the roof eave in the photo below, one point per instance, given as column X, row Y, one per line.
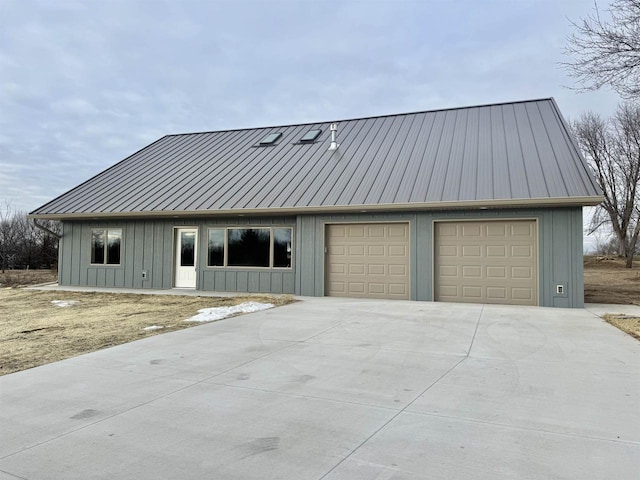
column 423, row 206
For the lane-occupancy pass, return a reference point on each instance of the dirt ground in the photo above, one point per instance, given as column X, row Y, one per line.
column 606, row 280
column 21, row 278
column 34, row 331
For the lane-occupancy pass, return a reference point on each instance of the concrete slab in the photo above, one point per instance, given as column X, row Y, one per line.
column 41, row 404
column 338, row 388
column 365, row 375
column 532, row 334
column 558, row 397
column 195, row 358
column 602, row 308
column 208, row 431
column 416, row 447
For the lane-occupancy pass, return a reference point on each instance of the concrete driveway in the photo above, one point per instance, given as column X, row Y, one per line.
column 339, row 389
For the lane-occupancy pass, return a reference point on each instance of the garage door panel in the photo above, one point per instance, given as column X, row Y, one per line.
column 497, row 293
column 523, row 251
column 496, row 230
column 499, row 266
column 522, row 229
column 374, row 259
column 521, row 272
column 448, row 250
column 448, row 271
column 471, row 271
column 497, row 272
column 376, row 231
column 398, row 250
column 471, row 230
column 356, row 231
column 398, row 289
column 496, row 251
column 376, row 269
column 356, row 269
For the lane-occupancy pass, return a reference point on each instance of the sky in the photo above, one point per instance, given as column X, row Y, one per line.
column 86, row 83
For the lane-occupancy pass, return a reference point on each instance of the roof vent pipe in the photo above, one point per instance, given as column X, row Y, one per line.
column 334, row 129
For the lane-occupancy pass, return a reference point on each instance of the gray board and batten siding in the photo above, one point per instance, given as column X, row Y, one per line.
column 514, row 162
column 148, row 245
column 512, row 154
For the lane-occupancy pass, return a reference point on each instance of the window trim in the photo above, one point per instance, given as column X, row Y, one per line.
column 271, row 228
column 105, row 231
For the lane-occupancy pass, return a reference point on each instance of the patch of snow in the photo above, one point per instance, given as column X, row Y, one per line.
column 153, row 327
column 218, row 313
column 64, row 303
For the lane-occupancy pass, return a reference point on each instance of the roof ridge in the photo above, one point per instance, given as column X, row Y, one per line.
column 369, row 117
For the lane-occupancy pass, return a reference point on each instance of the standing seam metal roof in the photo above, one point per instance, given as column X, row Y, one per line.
column 489, row 154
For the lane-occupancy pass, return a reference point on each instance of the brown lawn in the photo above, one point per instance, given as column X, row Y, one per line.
column 34, row 331
column 606, row 280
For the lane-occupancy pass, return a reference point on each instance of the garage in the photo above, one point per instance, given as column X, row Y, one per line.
column 486, row 262
column 367, row 260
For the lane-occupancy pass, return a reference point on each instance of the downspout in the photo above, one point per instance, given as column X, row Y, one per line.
column 45, row 229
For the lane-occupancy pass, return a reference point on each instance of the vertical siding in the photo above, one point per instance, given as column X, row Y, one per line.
column 148, row 246
column 559, row 244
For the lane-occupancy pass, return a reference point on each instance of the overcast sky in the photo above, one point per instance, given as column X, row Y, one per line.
column 85, row 83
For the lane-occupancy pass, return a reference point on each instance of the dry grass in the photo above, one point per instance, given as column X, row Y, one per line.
column 33, row 331
column 626, row 323
column 606, row 280
column 22, row 278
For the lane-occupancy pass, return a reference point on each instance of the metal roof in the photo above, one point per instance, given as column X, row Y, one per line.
column 510, row 154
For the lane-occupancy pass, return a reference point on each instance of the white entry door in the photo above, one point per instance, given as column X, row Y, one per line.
column 186, row 255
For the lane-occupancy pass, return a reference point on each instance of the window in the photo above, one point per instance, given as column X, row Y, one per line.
column 105, row 246
column 216, row 247
column 265, row 247
column 248, row 247
column 271, row 138
column 310, row 136
column 282, row 247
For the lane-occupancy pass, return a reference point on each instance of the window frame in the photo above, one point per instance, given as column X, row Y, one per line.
column 105, row 231
column 225, row 255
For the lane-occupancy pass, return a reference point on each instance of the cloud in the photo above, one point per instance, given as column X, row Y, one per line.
column 85, row 84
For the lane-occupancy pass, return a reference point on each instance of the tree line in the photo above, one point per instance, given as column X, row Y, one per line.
column 23, row 245
column 607, row 54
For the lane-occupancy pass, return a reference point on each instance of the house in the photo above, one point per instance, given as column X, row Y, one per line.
column 476, row 204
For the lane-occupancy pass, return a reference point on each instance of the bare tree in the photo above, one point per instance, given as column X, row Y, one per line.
column 8, row 235
column 22, row 245
column 612, row 149
column 608, row 53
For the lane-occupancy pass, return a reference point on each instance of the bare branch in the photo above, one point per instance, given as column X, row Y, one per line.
column 607, row 53
column 612, row 149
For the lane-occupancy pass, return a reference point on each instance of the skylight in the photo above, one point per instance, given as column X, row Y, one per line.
column 271, row 138
column 311, row 135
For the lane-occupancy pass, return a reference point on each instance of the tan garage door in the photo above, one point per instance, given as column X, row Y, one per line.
column 487, row 262
column 367, row 260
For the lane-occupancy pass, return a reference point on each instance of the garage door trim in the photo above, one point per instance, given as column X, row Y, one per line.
column 325, row 230
column 434, row 275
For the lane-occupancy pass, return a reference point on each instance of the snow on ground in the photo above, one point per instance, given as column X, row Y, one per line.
column 217, row 313
column 153, row 327
column 64, row 303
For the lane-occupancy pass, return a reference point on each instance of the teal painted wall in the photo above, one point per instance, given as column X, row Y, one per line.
column 148, row 246
column 559, row 249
